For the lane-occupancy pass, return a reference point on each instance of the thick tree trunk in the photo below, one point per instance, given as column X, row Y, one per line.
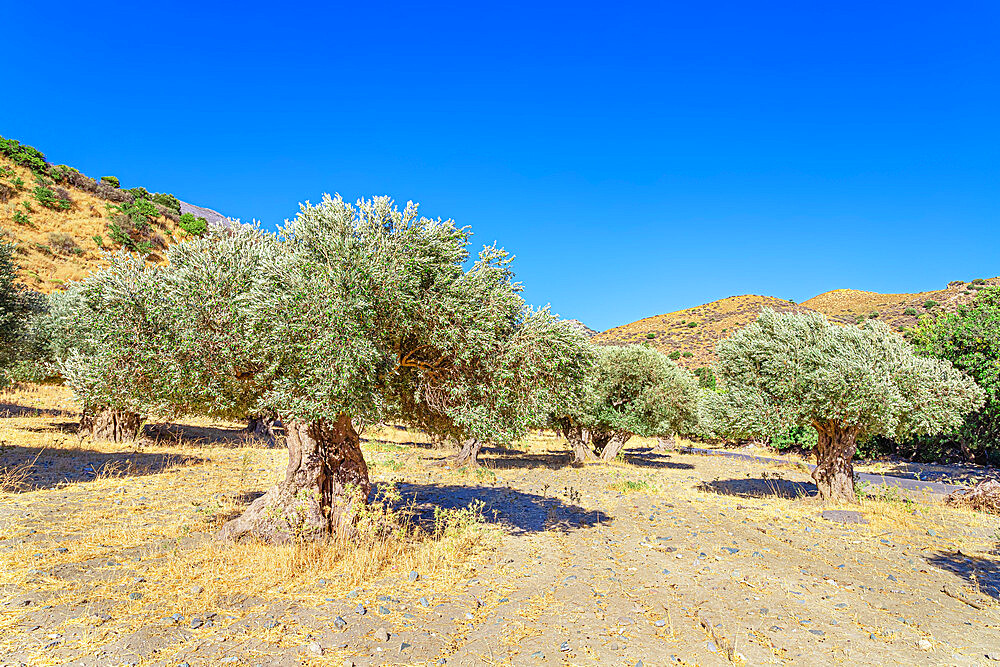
column 469, row 454
column 665, row 444
column 834, row 473
column 577, row 438
column 614, row 447
column 262, row 426
column 110, row 425
column 326, row 481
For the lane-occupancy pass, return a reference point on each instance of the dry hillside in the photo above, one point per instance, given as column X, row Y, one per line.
column 63, row 241
column 693, row 332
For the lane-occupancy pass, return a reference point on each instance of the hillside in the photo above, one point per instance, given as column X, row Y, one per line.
column 61, row 220
column 690, row 335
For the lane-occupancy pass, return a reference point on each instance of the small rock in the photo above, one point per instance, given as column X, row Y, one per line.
column 382, row 609
column 931, row 532
column 196, row 590
column 660, row 623
column 995, row 655
column 381, row 635
column 564, row 647
column 414, row 575
column 360, row 610
column 135, row 596
column 424, row 602
column 196, row 623
column 348, row 663
column 924, row 645
column 315, row 648
column 339, row 623
column 403, row 646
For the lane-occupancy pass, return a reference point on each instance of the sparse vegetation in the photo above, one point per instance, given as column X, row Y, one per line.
column 111, row 180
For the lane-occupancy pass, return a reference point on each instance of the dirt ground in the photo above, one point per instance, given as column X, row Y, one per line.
column 107, row 558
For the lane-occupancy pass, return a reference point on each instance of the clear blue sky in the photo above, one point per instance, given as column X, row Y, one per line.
column 637, row 158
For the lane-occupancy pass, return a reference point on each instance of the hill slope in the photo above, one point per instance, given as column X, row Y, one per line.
column 693, row 332
column 62, row 221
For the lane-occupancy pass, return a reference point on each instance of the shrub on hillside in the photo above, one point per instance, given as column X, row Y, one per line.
column 23, row 155
column 56, row 199
column 113, row 194
column 169, row 201
column 675, row 355
column 21, row 218
column 140, row 193
column 930, row 303
column 192, row 225
column 687, row 354
column 706, row 377
column 63, row 243
column 112, row 181
column 910, row 311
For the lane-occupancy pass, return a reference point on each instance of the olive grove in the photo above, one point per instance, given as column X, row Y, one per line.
column 848, row 382
column 351, row 313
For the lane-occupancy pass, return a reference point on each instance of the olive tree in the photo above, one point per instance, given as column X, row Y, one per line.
column 350, row 314
column 634, row 390
column 17, row 304
column 848, row 382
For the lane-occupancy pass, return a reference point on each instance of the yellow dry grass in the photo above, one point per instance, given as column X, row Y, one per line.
column 47, row 270
column 153, row 506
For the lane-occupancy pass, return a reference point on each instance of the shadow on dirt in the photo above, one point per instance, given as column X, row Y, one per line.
column 34, row 468
column 649, row 458
column 526, row 512
column 9, row 410
column 760, row 487
column 978, row 572
column 172, row 434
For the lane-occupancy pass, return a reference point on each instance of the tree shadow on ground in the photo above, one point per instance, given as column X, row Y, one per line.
column 170, row 433
column 37, row 468
column 10, row 410
column 525, row 512
column 649, row 458
column 980, row 573
column 510, row 459
column 759, row 487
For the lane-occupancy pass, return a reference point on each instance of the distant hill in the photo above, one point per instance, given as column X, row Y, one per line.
column 690, row 335
column 62, row 220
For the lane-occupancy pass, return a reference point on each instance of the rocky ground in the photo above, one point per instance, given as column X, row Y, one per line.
column 661, row 559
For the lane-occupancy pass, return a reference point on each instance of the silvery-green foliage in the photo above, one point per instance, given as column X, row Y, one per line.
column 364, row 310
column 639, row 391
column 786, row 370
column 108, row 335
column 17, row 305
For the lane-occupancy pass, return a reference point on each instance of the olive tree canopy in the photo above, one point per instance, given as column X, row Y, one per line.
column 848, row 382
column 352, row 312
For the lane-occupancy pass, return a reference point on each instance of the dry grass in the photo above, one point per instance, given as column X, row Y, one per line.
column 43, row 268
column 152, row 507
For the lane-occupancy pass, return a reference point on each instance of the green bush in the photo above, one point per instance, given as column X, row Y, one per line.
column 930, row 303
column 805, row 437
column 22, row 218
column 979, row 281
column 910, row 311
column 872, row 315
column 26, row 156
column 649, row 335
column 168, row 200
column 675, row 355
column 17, row 182
column 57, row 200
column 706, row 377
column 111, row 180
column 99, row 240
column 692, row 325
column 140, row 193
column 197, row 226
column 138, row 211
column 687, row 354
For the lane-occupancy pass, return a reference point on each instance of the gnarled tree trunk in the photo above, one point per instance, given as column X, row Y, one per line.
column 665, row 444
column 614, row 446
column 325, row 482
column 469, row 454
column 834, row 473
column 110, row 425
column 577, row 437
column 263, row 426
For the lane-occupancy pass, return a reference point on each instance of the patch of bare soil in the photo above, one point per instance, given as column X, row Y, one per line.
column 667, row 558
